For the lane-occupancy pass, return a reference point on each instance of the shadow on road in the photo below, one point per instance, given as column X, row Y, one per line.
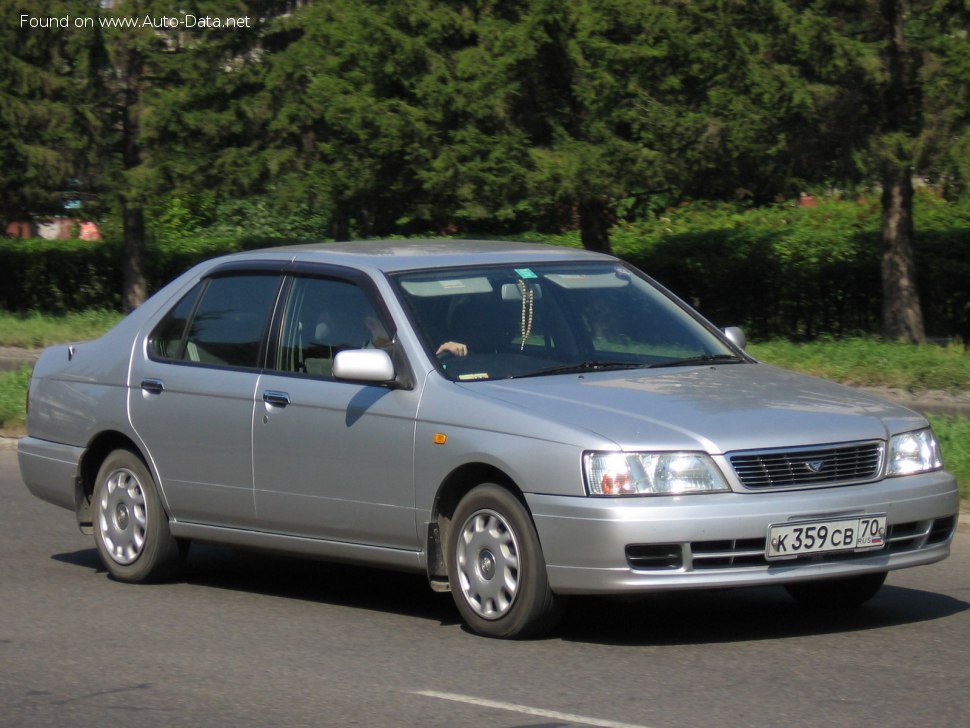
column 741, row 615
column 685, row 618
column 287, row 577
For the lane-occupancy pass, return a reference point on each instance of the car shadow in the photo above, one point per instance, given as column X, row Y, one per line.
column 741, row 615
column 289, row 577
column 676, row 618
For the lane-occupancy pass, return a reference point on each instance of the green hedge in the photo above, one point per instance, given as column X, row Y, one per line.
column 797, row 272
column 73, row 275
column 778, row 271
column 58, row 276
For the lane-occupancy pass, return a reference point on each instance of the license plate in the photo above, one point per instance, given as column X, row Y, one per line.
column 791, row 540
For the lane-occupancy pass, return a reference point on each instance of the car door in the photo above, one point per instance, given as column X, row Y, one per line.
column 193, row 393
column 333, row 459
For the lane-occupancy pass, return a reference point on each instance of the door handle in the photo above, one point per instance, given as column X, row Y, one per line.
column 277, row 399
column 155, row 386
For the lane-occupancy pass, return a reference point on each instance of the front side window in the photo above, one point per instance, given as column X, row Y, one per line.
column 500, row 322
column 324, row 316
column 226, row 328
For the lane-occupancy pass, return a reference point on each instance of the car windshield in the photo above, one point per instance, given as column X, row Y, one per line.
column 499, row 322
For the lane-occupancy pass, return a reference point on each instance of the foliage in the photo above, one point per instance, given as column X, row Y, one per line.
column 13, row 395
column 33, row 329
column 176, row 221
column 778, row 271
column 58, row 275
column 954, row 434
column 872, row 362
column 792, row 271
column 36, row 113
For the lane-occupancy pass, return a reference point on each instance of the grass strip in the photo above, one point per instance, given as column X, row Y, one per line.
column 34, row 330
column 872, row 362
column 13, row 394
column 954, row 435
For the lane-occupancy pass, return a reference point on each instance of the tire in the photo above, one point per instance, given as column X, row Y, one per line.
column 496, row 568
column 843, row 593
column 130, row 526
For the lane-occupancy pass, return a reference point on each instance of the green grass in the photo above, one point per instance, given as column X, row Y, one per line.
column 32, row 330
column 954, row 435
column 13, row 392
column 872, row 362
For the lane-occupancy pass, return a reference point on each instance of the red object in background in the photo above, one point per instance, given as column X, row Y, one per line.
column 20, row 229
column 90, row 231
column 807, row 201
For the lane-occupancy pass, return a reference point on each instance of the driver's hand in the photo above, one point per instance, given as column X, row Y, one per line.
column 452, row 347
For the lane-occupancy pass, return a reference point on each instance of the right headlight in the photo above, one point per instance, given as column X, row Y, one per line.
column 652, row 473
column 914, row 452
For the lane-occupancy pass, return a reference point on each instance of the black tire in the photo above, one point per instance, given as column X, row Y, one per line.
column 130, row 526
column 843, row 593
column 496, row 567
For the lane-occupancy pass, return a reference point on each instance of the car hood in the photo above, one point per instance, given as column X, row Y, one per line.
column 713, row 408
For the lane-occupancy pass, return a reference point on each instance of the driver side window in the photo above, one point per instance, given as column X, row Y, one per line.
column 324, row 316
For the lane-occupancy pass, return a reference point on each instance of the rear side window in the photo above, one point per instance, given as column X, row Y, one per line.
column 166, row 340
column 226, row 326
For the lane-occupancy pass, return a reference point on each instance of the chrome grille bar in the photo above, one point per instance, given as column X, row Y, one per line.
column 821, row 465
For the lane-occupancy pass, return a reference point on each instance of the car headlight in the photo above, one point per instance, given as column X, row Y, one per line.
column 652, row 473
column 914, row 452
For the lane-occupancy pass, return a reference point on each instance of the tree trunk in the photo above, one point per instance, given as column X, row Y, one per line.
column 594, row 225
column 902, row 317
column 340, row 224
column 133, row 281
column 132, row 270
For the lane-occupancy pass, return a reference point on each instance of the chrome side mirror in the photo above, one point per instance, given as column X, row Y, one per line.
column 364, row 365
column 736, row 336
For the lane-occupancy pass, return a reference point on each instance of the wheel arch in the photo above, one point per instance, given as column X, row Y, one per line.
column 456, row 486
column 102, row 445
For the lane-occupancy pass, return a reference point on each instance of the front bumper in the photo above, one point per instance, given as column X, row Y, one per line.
column 591, row 544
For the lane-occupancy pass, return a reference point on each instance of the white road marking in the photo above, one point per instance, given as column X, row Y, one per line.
column 525, row 709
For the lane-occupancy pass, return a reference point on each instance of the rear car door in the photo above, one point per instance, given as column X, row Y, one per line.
column 194, row 387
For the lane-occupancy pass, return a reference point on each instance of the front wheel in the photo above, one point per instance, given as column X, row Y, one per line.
column 496, row 568
column 130, row 526
column 842, row 593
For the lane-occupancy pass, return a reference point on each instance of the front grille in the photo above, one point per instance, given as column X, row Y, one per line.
column 806, row 466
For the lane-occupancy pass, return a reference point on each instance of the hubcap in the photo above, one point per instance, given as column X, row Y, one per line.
column 122, row 516
column 488, row 564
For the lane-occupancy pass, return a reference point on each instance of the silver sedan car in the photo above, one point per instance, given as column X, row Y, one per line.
column 518, row 422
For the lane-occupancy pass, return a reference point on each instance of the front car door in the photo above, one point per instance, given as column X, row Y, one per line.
column 333, row 459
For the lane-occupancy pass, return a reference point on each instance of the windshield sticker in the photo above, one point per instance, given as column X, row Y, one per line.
column 467, row 377
column 525, row 273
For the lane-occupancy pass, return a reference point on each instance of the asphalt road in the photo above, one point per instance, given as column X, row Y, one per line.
column 255, row 640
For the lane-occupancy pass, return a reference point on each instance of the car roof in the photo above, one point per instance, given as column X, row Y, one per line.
column 402, row 255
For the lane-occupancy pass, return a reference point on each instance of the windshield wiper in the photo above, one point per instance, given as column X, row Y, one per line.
column 591, row 365
column 703, row 359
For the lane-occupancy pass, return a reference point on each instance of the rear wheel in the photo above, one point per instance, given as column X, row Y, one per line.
column 842, row 593
column 130, row 526
column 496, row 568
